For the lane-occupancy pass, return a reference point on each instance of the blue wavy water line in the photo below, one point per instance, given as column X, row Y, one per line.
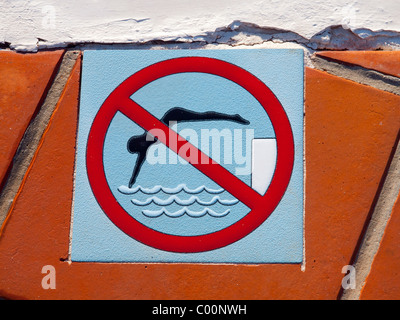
column 156, row 189
column 184, row 202
column 183, row 211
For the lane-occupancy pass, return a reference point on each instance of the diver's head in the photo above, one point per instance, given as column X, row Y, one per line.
column 140, row 144
column 133, row 144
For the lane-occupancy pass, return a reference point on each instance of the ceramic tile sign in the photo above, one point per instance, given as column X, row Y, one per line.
column 190, row 156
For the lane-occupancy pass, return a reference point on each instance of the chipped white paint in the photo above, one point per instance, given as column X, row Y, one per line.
column 27, row 25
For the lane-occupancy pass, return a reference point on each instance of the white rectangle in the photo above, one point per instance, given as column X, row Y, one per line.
column 264, row 154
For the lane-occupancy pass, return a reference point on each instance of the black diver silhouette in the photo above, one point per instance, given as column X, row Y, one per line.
column 139, row 144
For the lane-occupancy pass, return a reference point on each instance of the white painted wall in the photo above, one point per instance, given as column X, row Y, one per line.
column 22, row 22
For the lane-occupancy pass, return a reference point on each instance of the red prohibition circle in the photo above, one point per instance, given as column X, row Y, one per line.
column 261, row 206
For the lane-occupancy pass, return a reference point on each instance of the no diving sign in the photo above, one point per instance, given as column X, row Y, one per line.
column 190, row 156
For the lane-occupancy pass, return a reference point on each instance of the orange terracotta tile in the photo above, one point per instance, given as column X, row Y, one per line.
column 30, row 241
column 383, row 282
column 383, row 61
column 24, row 79
column 350, row 131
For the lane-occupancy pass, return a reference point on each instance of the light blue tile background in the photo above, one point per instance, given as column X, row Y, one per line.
column 95, row 238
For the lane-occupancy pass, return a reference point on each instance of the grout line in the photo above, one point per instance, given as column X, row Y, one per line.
column 303, row 264
column 375, row 229
column 358, row 74
column 33, row 138
column 69, row 254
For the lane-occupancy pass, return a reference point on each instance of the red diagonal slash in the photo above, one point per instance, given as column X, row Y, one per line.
column 261, row 205
column 211, row 169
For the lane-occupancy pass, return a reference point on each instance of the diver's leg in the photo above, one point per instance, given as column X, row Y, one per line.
column 139, row 162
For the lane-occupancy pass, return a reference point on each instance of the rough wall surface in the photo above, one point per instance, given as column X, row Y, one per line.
column 352, row 153
column 53, row 23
